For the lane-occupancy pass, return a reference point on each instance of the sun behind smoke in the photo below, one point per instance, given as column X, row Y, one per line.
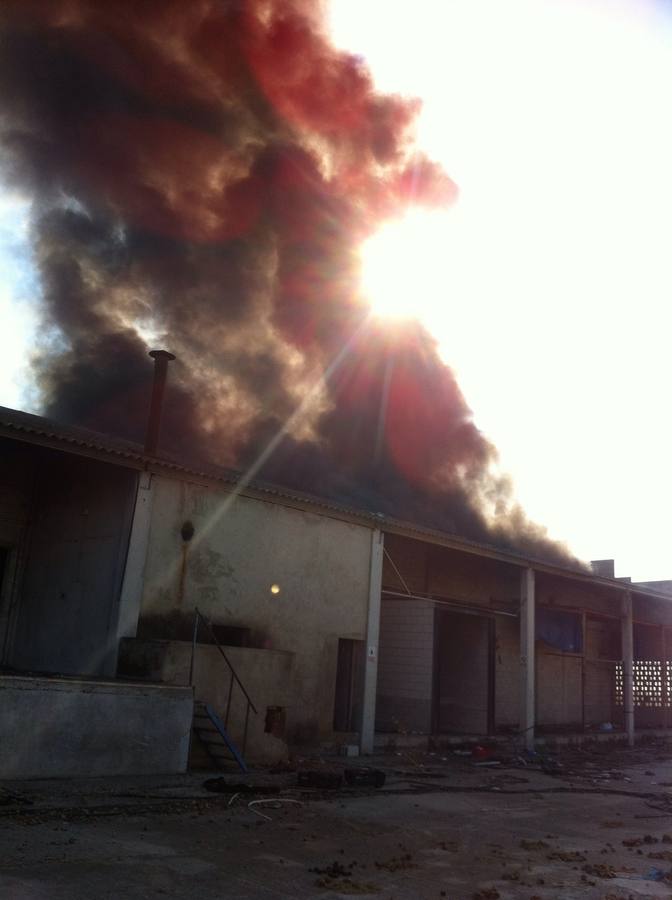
column 405, row 265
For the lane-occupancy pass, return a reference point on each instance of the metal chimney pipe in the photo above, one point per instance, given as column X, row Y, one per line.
column 161, row 359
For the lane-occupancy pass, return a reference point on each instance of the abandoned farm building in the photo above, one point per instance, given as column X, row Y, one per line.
column 341, row 626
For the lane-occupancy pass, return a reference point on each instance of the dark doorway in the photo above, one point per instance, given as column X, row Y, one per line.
column 4, row 556
column 349, row 685
column 66, row 617
column 463, row 673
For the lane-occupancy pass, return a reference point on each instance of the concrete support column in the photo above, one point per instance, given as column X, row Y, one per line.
column 368, row 726
column 628, row 668
column 131, row 589
column 527, row 658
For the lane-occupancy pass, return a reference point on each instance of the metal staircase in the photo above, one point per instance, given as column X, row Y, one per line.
column 210, row 731
column 208, row 727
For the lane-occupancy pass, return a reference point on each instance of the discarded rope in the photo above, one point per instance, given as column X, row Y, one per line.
column 258, row 812
column 274, row 802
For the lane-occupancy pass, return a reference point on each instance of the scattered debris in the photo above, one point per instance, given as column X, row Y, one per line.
column 347, row 886
column 600, row 870
column 449, row 846
column 335, row 870
column 337, row 877
column 402, row 773
column 365, row 777
column 324, row 781
column 534, row 845
column 8, row 797
column 567, row 856
column 480, row 752
column 274, row 802
column 512, row 876
column 222, row 786
column 658, row 875
column 397, row 863
column 638, row 842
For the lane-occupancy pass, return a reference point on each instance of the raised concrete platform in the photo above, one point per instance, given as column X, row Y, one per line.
column 266, row 675
column 67, row 727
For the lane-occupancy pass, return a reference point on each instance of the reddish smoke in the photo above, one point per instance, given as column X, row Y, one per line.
column 208, row 170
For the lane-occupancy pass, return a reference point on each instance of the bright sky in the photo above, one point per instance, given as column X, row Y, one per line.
column 18, row 291
column 549, row 284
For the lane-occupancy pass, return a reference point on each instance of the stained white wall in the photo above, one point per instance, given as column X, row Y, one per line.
column 240, row 548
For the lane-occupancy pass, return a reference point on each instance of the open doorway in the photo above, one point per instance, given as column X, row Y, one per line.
column 349, row 685
column 463, row 673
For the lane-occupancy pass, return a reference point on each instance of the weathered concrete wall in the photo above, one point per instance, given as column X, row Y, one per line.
column 57, row 728
column 266, row 675
column 405, row 664
column 241, row 547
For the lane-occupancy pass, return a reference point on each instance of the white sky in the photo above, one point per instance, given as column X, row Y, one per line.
column 549, row 285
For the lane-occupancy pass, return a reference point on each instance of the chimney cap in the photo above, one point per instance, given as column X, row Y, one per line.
column 161, row 354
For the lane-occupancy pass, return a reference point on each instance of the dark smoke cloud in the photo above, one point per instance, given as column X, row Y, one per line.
column 207, row 170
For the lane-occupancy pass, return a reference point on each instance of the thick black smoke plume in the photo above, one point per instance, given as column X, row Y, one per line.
column 205, row 172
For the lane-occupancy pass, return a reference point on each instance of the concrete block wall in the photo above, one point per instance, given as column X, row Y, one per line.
column 57, row 728
column 404, row 698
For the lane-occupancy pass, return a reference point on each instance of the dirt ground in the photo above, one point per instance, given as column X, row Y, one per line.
column 594, row 823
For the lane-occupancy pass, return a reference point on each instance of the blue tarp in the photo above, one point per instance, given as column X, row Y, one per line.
column 560, row 629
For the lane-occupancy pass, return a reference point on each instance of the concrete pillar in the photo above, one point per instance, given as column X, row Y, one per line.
column 628, row 668
column 368, row 726
column 134, row 572
column 527, row 658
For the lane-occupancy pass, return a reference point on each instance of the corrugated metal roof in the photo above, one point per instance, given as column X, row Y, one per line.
column 83, row 439
column 21, row 424
column 27, row 423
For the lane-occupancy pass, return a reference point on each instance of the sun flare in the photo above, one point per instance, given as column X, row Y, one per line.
column 404, row 266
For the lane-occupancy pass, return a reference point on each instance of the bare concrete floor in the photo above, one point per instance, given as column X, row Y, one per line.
column 441, row 827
